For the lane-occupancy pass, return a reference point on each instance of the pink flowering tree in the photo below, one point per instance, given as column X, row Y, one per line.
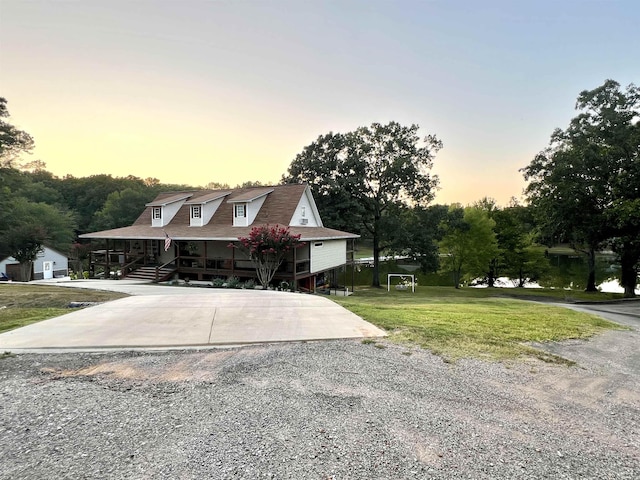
column 267, row 247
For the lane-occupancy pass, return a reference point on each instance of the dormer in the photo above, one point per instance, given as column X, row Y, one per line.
column 306, row 213
column 247, row 205
column 163, row 210
column 201, row 209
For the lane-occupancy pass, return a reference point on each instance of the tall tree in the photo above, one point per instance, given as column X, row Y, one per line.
column 121, row 208
column 415, row 233
column 469, row 243
column 360, row 175
column 588, row 179
column 87, row 195
column 29, row 227
column 13, row 141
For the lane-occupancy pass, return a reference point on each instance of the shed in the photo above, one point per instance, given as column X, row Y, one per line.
column 49, row 263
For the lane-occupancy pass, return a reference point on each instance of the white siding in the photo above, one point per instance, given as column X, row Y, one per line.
column 330, row 254
column 5, row 262
column 305, row 213
column 168, row 212
column 209, row 208
column 50, row 255
column 254, row 207
column 242, row 220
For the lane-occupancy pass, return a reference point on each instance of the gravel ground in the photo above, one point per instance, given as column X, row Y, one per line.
column 326, row 410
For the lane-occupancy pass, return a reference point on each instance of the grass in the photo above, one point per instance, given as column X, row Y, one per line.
column 471, row 322
column 23, row 304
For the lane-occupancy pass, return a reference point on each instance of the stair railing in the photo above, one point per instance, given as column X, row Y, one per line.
column 129, row 266
column 163, row 266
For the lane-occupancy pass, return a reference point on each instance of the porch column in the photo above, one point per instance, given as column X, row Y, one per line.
column 295, row 270
column 233, row 260
column 107, row 273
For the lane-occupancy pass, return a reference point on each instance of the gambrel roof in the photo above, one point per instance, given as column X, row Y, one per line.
column 279, row 207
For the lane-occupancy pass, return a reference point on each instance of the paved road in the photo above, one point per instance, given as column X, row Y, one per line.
column 159, row 316
column 624, row 312
column 610, row 360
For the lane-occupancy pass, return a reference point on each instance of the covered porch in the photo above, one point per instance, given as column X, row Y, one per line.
column 201, row 260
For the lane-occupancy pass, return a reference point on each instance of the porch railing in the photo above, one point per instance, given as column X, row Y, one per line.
column 165, row 265
column 129, row 266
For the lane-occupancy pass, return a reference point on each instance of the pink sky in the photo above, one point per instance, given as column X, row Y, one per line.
column 227, row 91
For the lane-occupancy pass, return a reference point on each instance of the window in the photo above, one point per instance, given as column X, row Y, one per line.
column 195, row 211
column 304, row 211
column 240, row 211
column 157, row 213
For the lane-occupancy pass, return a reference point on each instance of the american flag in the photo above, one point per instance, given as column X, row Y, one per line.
column 167, row 241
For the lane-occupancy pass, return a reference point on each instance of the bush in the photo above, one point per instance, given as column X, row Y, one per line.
column 249, row 284
column 232, row 282
column 217, row 283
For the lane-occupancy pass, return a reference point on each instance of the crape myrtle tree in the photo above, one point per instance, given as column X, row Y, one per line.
column 267, row 246
column 585, row 186
column 358, row 176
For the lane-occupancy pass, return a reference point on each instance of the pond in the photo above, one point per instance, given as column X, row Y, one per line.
column 565, row 271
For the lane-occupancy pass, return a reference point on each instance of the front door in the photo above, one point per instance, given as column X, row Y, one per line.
column 47, row 270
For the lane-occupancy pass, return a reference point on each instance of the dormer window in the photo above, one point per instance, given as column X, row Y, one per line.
column 203, row 207
column 164, row 209
column 240, row 210
column 247, row 204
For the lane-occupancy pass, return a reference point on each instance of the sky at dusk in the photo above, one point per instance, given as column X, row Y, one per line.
column 195, row 91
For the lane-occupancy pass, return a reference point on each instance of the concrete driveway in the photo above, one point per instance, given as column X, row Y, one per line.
column 159, row 316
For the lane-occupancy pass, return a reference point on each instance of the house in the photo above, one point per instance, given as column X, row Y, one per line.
column 196, row 227
column 49, row 263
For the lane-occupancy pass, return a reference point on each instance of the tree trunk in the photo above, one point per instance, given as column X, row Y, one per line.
column 520, row 278
column 456, row 277
column 491, row 275
column 375, row 282
column 25, row 270
column 629, row 272
column 591, row 263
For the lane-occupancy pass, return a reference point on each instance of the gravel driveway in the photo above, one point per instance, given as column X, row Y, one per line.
column 319, row 410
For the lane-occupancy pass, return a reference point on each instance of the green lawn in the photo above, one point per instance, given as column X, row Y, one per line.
column 22, row 304
column 470, row 322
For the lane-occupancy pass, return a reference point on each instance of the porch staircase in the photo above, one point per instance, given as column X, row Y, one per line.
column 149, row 273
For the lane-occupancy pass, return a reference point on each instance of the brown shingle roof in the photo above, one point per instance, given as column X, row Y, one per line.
column 209, row 197
column 278, row 208
column 251, row 195
column 164, row 200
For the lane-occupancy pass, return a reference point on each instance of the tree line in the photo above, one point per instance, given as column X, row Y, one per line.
column 584, row 190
